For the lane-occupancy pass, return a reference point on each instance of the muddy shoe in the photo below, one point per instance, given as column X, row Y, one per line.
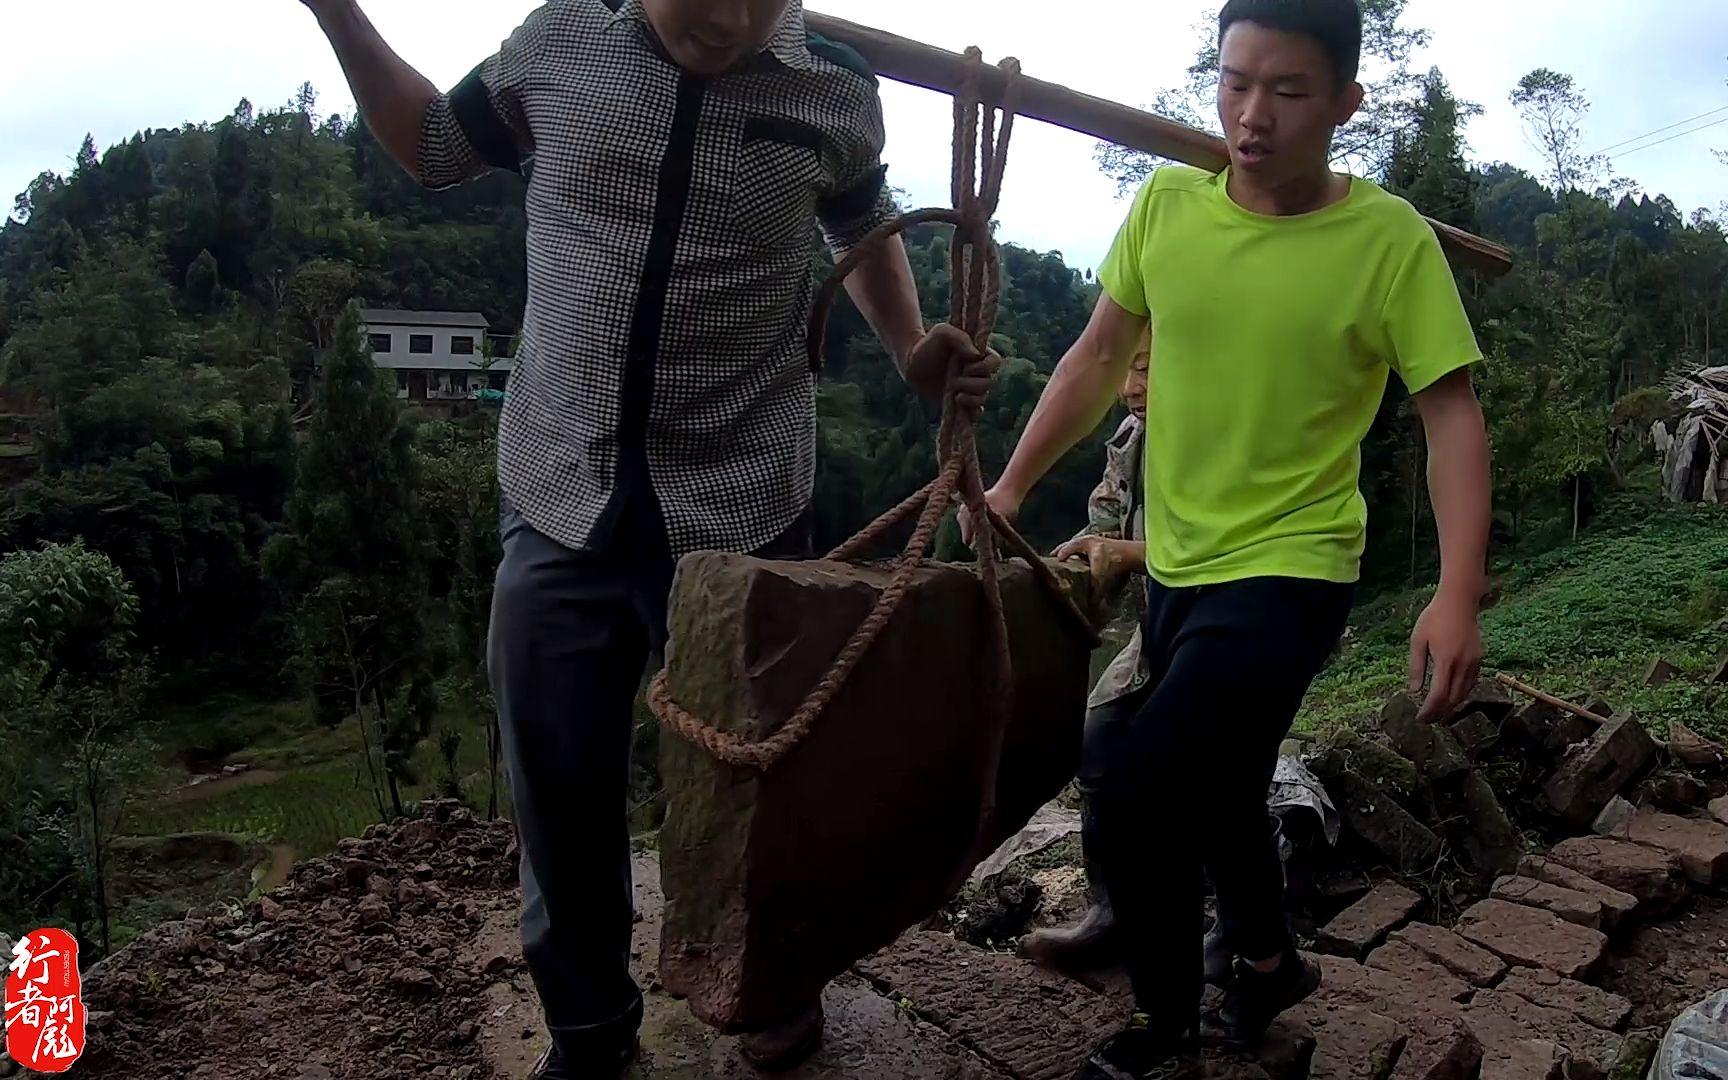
column 553, row 1066
column 1139, row 1053
column 1088, row 945
column 1255, row 999
column 784, row 1045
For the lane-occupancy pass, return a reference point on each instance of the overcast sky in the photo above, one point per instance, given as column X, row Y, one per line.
column 112, row 67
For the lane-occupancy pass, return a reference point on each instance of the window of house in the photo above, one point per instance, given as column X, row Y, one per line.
column 380, row 342
column 401, row 379
column 420, row 343
column 462, row 346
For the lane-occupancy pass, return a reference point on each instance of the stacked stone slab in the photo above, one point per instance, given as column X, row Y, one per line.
column 1526, row 958
column 777, row 881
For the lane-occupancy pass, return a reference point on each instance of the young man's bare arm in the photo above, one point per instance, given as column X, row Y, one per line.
column 1460, row 488
column 1080, row 392
column 392, row 96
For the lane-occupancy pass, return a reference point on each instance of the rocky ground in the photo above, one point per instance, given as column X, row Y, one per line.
column 396, row 958
column 1532, row 948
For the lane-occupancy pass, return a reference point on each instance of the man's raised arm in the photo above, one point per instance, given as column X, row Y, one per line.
column 393, row 97
column 441, row 139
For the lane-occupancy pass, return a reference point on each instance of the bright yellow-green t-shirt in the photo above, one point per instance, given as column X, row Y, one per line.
column 1272, row 339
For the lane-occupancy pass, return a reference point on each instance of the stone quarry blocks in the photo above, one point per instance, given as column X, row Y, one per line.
column 1610, row 1012
column 1652, row 876
column 1429, row 747
column 1617, row 906
column 1024, row 1020
column 1484, row 832
column 1406, row 962
column 777, row 881
column 1441, row 1044
column 1660, row 671
column 1501, row 1021
column 1366, row 923
column 1719, row 809
column 1529, row 1059
column 1595, row 771
column 1477, row 735
column 1474, row 964
column 1573, row 906
column 1534, row 938
column 1489, row 698
column 1545, row 730
column 1701, row 845
column 1374, row 815
column 1351, row 1043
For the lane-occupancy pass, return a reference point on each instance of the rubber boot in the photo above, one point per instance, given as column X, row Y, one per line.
column 784, row 1045
column 1089, row 944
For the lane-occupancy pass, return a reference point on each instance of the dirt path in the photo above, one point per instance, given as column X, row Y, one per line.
column 212, row 788
column 281, row 861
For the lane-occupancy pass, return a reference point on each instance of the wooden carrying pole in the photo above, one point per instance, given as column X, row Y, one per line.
column 918, row 64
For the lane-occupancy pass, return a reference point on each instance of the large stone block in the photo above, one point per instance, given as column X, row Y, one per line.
column 1501, row 1021
column 1595, row 771
column 1471, row 962
column 1652, row 877
column 777, row 881
column 1487, row 840
column 1700, row 844
column 1365, row 924
column 1617, row 906
column 1534, row 938
column 1605, row 1010
column 1571, row 905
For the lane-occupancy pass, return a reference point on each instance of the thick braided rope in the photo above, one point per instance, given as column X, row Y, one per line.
column 974, row 300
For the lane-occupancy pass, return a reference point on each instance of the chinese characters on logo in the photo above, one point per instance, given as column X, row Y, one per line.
column 44, row 1010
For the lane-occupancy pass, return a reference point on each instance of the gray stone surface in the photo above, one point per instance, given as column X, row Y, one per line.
column 777, row 881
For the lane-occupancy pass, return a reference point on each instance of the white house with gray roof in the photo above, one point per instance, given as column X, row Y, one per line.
column 438, row 356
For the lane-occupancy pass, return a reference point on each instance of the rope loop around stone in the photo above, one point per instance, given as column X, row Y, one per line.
column 974, row 300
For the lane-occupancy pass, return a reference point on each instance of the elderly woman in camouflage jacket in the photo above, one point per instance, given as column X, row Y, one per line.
column 1113, row 543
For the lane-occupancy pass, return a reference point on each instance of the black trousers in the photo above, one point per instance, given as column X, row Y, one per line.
column 1177, row 787
column 571, row 635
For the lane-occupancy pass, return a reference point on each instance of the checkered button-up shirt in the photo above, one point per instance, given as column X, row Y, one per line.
column 671, row 231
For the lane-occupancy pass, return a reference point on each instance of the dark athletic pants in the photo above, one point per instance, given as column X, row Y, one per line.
column 571, row 635
column 1178, row 786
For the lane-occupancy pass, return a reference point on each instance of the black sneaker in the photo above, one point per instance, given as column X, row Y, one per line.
column 1139, row 1053
column 1256, row 999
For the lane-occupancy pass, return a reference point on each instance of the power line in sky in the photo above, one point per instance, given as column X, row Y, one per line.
column 1676, row 135
column 1670, row 127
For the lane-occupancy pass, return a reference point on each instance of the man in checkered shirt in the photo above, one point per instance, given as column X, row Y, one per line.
column 680, row 155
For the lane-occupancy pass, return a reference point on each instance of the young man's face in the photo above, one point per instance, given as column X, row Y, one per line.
column 708, row 37
column 1280, row 102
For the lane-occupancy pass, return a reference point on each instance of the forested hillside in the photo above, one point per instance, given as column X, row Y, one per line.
column 182, row 533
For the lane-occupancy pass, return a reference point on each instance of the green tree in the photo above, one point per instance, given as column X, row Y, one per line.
column 1553, row 109
column 70, row 718
column 354, row 558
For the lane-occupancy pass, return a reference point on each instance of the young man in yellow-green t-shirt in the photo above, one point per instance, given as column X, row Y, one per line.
column 1280, row 298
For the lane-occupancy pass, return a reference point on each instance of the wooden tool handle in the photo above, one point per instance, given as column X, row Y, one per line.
column 917, row 64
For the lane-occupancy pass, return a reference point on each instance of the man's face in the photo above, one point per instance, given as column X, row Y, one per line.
column 709, row 37
column 1280, row 102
